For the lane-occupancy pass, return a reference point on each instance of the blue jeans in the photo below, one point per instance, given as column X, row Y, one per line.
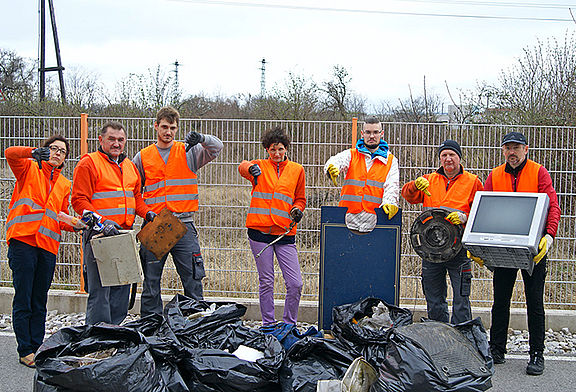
column 32, row 272
column 189, row 265
column 105, row 304
column 435, row 288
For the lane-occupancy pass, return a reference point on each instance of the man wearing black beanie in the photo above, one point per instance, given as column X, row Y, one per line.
column 452, row 188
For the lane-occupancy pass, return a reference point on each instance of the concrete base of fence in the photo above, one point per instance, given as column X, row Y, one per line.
column 66, row 301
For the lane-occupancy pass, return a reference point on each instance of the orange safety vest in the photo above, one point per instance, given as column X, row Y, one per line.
column 169, row 184
column 363, row 189
column 527, row 180
column 273, row 197
column 114, row 196
column 34, row 209
column 456, row 197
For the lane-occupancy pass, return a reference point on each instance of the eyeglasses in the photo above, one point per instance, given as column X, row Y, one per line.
column 56, row 149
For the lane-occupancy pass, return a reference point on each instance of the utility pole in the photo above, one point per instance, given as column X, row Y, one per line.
column 263, row 79
column 43, row 69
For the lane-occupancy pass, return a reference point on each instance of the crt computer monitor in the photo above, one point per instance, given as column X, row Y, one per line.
column 505, row 228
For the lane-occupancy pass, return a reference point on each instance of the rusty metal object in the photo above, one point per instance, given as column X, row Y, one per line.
column 160, row 235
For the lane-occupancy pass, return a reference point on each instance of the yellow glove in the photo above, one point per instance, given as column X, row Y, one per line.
column 457, row 218
column 333, row 172
column 422, row 184
column 477, row 260
column 390, row 209
column 544, row 247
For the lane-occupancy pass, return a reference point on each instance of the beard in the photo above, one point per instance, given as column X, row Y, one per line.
column 372, row 145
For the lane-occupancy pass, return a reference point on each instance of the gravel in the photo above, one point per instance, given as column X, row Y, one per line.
column 561, row 342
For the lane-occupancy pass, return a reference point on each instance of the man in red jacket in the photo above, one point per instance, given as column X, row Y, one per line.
column 520, row 174
column 107, row 183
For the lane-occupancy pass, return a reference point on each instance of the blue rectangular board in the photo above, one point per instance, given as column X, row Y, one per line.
column 355, row 266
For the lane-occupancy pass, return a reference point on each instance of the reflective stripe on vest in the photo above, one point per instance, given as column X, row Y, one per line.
column 363, row 189
column 527, row 180
column 33, row 209
column 169, row 184
column 273, row 197
column 456, row 198
column 114, row 195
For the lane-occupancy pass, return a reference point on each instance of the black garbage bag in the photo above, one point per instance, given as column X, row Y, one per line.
column 192, row 320
column 165, row 347
column 213, row 366
column 368, row 341
column 97, row 357
column 434, row 356
column 312, row 359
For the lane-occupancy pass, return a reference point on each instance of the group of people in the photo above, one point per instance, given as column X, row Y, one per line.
column 164, row 175
column 372, row 181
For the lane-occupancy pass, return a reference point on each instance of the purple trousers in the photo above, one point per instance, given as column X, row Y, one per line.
column 288, row 261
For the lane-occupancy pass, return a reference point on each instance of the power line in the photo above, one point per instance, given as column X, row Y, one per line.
column 371, row 11
column 495, row 4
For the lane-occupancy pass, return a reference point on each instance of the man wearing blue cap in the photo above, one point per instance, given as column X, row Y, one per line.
column 520, row 174
column 451, row 188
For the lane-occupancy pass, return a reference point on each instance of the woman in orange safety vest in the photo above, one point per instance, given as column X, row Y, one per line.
column 277, row 204
column 33, row 235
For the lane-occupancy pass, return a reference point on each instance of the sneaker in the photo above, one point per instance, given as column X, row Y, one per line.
column 536, row 365
column 497, row 356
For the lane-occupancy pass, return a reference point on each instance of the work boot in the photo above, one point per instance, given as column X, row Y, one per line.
column 497, row 356
column 536, row 365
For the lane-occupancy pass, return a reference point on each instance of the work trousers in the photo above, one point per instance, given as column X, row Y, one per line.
column 435, row 288
column 503, row 283
column 287, row 257
column 105, row 304
column 189, row 265
column 32, row 272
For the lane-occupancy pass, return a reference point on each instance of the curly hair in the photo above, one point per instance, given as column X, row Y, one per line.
column 61, row 138
column 275, row 136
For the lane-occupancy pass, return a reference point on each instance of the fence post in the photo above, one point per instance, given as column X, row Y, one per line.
column 354, row 131
column 83, row 150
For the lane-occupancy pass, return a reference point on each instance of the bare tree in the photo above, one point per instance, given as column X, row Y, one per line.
column 337, row 90
column 17, row 77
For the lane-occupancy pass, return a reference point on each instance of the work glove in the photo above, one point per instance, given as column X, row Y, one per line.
column 193, row 138
column 296, row 214
column 41, row 154
column 333, row 172
column 422, row 184
column 109, row 230
column 390, row 209
column 544, row 247
column 150, row 216
column 457, row 218
column 255, row 171
column 91, row 219
column 477, row 260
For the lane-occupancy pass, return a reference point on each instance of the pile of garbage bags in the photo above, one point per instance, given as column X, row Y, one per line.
column 204, row 346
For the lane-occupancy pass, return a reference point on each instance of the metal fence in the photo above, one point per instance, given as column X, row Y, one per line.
column 224, row 195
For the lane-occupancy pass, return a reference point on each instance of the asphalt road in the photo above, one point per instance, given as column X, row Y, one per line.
column 559, row 376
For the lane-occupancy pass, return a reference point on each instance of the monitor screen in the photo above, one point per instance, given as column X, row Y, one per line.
column 504, row 215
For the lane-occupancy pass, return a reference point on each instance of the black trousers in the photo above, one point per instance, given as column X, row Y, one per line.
column 503, row 283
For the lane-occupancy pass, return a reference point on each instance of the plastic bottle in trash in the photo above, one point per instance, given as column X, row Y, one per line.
column 71, row 220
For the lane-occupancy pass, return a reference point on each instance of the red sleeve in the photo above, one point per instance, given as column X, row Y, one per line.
column 411, row 193
column 141, row 206
column 243, row 170
column 19, row 160
column 299, row 192
column 488, row 183
column 83, row 185
column 545, row 186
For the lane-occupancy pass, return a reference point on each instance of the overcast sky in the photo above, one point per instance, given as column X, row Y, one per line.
column 385, row 45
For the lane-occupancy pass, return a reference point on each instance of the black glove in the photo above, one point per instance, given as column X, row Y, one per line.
column 193, row 138
column 255, row 171
column 41, row 154
column 296, row 214
column 109, row 230
column 150, row 216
